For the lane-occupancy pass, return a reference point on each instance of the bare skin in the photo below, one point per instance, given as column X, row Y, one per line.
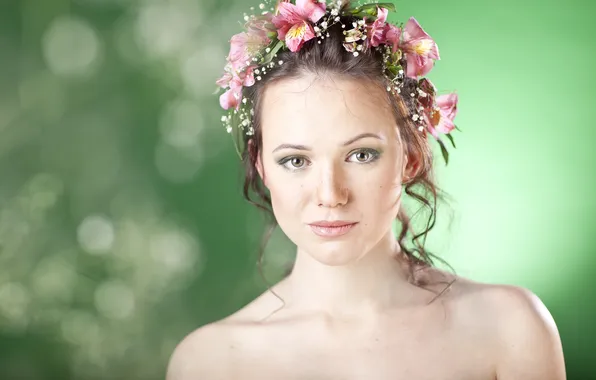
column 472, row 331
column 349, row 309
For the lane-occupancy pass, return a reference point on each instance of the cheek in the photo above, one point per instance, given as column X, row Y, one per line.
column 383, row 195
column 286, row 195
column 380, row 193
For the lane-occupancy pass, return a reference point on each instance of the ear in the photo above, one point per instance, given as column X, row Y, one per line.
column 259, row 166
column 411, row 167
column 257, row 160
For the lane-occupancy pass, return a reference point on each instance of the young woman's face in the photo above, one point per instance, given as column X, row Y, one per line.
column 331, row 152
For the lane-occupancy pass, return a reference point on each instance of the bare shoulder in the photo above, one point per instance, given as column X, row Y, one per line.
column 530, row 343
column 211, row 351
column 517, row 324
column 509, row 308
column 202, row 354
column 509, row 304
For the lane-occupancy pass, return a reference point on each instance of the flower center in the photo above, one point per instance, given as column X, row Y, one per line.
column 297, row 31
column 435, row 117
column 423, row 47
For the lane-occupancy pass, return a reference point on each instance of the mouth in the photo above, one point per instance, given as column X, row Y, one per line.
column 332, row 229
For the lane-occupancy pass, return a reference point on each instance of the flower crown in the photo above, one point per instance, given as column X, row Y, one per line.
column 407, row 51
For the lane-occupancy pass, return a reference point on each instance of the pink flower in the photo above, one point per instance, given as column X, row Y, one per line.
column 377, row 32
column 440, row 119
column 383, row 33
column 261, row 24
column 420, row 49
column 245, row 46
column 232, row 97
column 295, row 22
column 428, row 88
column 393, row 36
column 235, row 81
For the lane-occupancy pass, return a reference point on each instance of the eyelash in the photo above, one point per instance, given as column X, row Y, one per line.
column 374, row 157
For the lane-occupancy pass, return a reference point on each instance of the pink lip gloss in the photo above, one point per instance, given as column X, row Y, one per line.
column 331, row 231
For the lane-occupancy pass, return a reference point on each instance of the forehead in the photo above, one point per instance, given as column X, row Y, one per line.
column 311, row 107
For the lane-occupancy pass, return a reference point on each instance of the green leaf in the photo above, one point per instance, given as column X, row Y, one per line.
column 451, row 139
column 444, row 151
column 370, row 9
column 269, row 57
column 458, row 128
column 394, row 70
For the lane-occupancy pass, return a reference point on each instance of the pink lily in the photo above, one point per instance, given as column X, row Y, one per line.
column 261, row 24
column 392, row 37
column 420, row 49
column 295, row 22
column 245, row 46
column 235, row 81
column 440, row 119
column 380, row 32
column 427, row 99
column 377, row 32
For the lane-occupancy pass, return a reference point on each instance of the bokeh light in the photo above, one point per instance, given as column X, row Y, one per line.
column 71, row 47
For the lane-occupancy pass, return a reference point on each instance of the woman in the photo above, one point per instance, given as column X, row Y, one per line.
column 332, row 112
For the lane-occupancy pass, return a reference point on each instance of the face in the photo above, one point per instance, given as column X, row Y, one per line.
column 331, row 152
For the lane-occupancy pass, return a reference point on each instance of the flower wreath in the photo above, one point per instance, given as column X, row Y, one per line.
column 408, row 51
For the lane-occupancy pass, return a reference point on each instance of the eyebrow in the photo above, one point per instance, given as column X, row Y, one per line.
column 350, row 141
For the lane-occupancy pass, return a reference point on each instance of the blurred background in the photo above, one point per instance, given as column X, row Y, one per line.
column 122, row 225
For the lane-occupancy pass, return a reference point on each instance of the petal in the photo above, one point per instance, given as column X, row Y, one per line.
column 231, row 98
column 377, row 36
column 448, row 105
column 382, row 15
column 238, row 52
column 427, row 86
column 393, row 35
column 416, row 40
column 429, row 126
column 445, row 125
column 290, row 13
column 262, row 23
column 298, row 34
column 418, row 65
column 425, row 47
column 377, row 33
column 312, row 9
column 413, row 31
column 426, row 67
column 224, row 81
column 429, row 89
column 282, row 31
column 249, row 77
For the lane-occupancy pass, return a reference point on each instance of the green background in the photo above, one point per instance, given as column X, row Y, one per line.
column 122, row 226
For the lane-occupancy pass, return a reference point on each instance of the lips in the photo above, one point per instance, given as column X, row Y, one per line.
column 330, row 229
column 333, row 223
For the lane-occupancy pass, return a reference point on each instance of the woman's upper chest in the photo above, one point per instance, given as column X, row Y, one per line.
column 407, row 348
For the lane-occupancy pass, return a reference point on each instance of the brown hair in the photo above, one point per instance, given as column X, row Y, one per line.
column 330, row 57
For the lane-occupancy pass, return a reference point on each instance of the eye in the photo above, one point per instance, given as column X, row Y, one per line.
column 365, row 156
column 293, row 163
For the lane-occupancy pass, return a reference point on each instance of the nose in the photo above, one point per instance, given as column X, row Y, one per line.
column 331, row 189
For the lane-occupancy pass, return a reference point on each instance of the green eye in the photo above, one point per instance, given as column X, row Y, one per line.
column 293, row 163
column 362, row 156
column 296, row 162
column 366, row 156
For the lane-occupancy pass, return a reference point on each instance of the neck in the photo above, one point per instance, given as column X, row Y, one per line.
column 376, row 282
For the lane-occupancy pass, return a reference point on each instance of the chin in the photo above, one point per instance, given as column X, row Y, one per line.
column 337, row 255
